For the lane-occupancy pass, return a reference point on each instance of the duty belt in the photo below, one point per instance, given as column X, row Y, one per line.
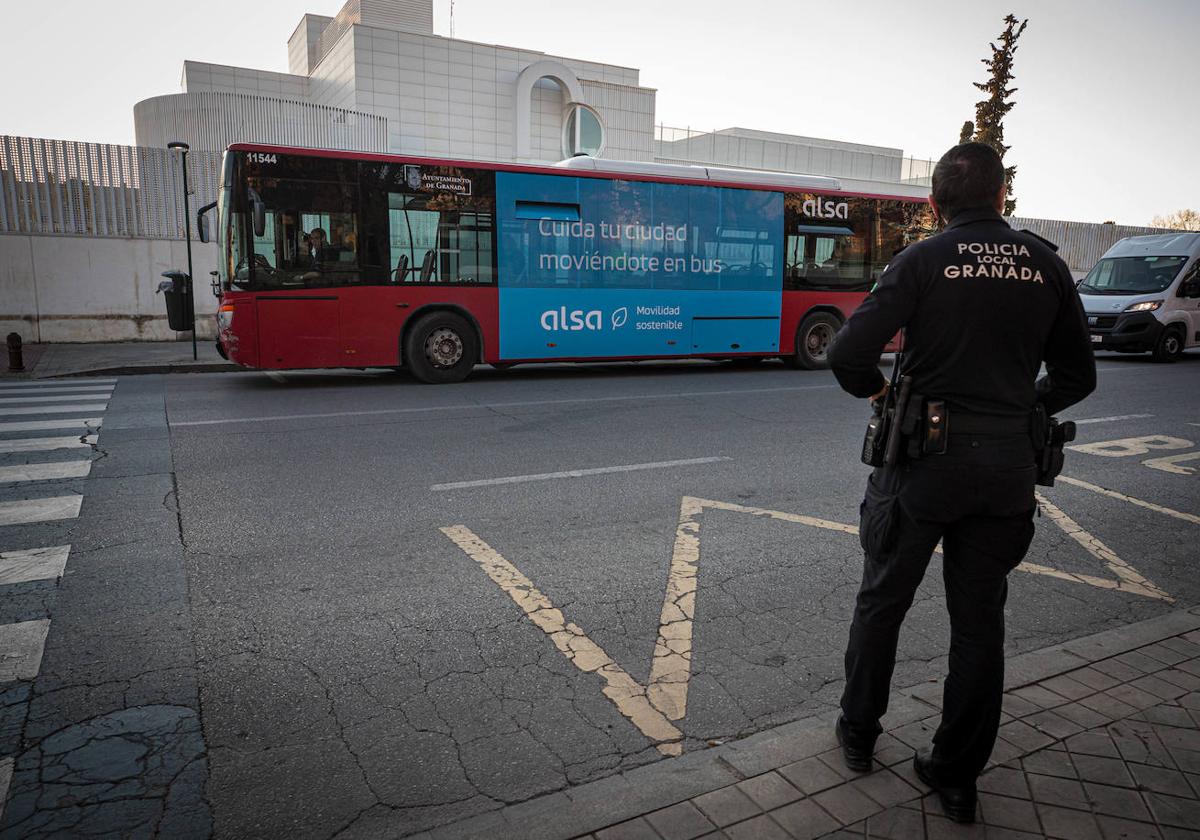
column 962, row 423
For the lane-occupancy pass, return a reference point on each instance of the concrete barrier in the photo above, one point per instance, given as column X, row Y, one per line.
column 85, row 289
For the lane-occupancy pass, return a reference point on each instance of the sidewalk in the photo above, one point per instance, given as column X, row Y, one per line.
column 43, row 361
column 1100, row 739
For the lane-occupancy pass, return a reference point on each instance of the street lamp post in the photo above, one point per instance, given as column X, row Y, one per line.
column 187, row 226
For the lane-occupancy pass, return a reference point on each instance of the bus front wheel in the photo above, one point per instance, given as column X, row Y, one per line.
column 441, row 347
column 813, row 339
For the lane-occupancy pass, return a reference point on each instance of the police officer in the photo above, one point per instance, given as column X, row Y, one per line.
column 982, row 307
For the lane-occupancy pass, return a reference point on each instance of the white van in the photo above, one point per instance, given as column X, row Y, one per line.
column 1144, row 295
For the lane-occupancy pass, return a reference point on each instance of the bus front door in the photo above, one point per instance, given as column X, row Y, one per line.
column 299, row 331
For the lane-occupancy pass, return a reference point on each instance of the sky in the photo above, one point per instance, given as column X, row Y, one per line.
column 1106, row 124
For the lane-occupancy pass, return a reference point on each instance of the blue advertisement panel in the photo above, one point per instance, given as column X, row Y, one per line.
column 592, row 267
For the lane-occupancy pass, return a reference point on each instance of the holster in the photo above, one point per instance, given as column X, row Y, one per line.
column 1050, row 437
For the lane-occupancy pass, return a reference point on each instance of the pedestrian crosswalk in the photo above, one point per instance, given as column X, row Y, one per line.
column 48, row 431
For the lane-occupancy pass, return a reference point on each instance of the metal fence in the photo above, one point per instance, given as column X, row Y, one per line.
column 71, row 188
column 1081, row 244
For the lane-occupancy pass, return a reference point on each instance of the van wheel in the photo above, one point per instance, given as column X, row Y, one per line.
column 440, row 348
column 1169, row 346
column 813, row 340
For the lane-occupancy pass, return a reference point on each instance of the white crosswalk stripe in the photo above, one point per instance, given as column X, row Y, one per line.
column 21, row 646
column 83, row 390
column 33, row 564
column 51, row 384
column 27, row 511
column 40, row 425
column 45, row 472
column 6, row 400
column 46, row 444
column 89, row 408
column 79, row 406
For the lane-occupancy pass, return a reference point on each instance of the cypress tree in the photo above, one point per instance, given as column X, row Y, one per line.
column 989, row 113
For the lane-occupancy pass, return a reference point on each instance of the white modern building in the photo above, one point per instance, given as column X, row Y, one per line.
column 376, row 77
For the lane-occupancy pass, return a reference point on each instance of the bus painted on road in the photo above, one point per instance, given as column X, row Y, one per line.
column 333, row 259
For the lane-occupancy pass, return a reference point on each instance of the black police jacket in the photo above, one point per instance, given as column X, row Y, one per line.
column 982, row 306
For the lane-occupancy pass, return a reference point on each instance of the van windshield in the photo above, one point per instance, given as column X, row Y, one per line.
column 1131, row 275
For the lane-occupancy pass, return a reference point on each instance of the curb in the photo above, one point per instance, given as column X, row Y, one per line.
column 137, row 370
column 590, row 807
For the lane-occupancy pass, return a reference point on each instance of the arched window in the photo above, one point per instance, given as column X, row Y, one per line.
column 583, row 133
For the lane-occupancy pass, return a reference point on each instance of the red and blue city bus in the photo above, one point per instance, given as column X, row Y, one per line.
column 334, row 259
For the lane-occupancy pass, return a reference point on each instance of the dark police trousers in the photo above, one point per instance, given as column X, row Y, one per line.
column 977, row 499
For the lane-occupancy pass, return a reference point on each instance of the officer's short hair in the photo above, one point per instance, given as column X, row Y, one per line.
column 969, row 176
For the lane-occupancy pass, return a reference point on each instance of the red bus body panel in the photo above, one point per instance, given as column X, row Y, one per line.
column 345, row 326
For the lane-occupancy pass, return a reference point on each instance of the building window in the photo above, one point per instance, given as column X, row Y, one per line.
column 583, row 133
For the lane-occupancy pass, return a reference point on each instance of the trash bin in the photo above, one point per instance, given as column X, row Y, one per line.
column 177, row 292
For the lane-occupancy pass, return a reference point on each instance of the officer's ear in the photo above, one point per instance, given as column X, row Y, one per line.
column 1001, row 198
column 937, row 211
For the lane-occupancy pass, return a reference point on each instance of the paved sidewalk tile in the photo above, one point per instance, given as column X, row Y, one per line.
column 1005, row 781
column 759, row 828
column 1174, row 810
column 1116, row 801
column 1082, row 715
column 1108, row 751
column 770, row 791
column 1165, row 654
column 637, row 829
column 804, row 820
column 1006, row 812
column 811, row 775
column 1093, row 678
column 1050, row 763
column 896, row 824
column 847, row 804
column 727, row 806
column 886, row 788
column 1108, row 771
column 1160, row 780
column 1067, row 824
column 1068, row 687
column 682, row 821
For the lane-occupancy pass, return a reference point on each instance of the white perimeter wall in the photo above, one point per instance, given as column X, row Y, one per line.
column 81, row 289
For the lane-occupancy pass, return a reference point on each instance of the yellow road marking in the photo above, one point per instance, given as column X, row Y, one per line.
column 1124, row 447
column 672, row 667
column 626, row 693
column 1186, row 517
column 652, row 707
column 1127, row 579
column 1171, row 463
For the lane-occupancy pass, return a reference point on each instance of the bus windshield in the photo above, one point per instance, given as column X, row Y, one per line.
column 1131, row 275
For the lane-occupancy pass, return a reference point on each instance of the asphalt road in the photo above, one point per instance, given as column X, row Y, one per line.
column 385, row 606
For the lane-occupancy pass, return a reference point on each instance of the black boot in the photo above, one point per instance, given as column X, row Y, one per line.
column 958, row 801
column 856, row 750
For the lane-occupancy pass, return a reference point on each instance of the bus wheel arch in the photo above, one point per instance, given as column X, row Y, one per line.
column 441, row 344
column 814, row 335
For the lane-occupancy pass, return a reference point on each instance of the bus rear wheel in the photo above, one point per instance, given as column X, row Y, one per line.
column 441, row 348
column 813, row 339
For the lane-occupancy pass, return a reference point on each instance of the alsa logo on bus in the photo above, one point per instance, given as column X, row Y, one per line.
column 827, row 209
column 576, row 320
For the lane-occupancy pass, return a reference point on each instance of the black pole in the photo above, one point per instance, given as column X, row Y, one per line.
column 187, row 226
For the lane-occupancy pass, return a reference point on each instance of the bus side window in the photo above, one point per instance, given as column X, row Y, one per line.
column 430, row 240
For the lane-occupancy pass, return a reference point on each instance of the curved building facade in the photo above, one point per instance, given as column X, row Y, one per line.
column 213, row 120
